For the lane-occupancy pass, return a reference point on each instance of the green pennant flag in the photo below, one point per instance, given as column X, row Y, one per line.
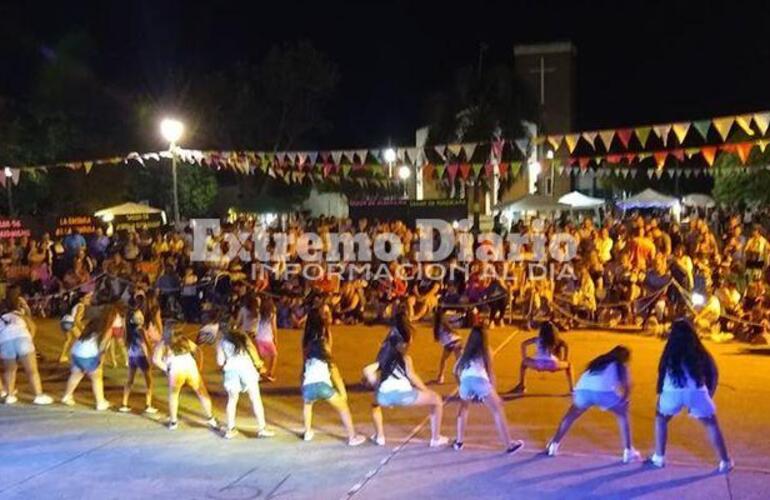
column 345, row 170
column 476, row 169
column 440, row 169
column 642, row 133
column 702, row 126
column 515, row 169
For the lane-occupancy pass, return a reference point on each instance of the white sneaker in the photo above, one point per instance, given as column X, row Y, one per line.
column 124, row 409
column 552, row 449
column 356, row 440
column 173, row 425
column 70, row 401
column 230, row 433
column 440, row 441
column 379, row 441
column 42, row 400
column 631, row 455
column 726, row 466
column 308, row 436
column 103, row 406
column 11, row 399
column 265, row 433
column 656, row 461
column 151, row 410
column 212, row 423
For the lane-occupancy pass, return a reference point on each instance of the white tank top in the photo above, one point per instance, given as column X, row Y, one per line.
column 690, row 384
column 396, row 382
column 475, row 369
column 604, row 381
column 265, row 330
column 239, row 362
column 249, row 321
column 316, row 371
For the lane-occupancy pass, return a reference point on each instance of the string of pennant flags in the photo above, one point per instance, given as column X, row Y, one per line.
column 603, row 151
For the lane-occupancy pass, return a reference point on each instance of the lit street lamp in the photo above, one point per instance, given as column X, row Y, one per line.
column 172, row 131
column 8, row 180
column 404, row 172
column 389, row 155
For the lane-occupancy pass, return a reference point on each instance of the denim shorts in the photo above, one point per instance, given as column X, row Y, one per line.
column 138, row 363
column 16, row 348
column 396, row 398
column 318, row 391
column 240, row 380
column 475, row 389
column 697, row 401
column 584, row 399
column 86, row 365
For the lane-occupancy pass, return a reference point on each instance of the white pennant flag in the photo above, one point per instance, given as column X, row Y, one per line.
column 350, row 155
column 523, row 145
column 412, row 154
column 590, row 137
column 15, row 175
column 469, row 148
column 441, row 150
column 662, row 131
column 362, row 155
column 762, row 120
column 312, row 157
column 336, row 157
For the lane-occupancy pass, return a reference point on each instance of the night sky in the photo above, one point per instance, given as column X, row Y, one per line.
column 638, row 62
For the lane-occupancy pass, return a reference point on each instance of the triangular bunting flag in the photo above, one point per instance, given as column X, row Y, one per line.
column 624, row 134
column 523, row 145
column 614, row 158
column 702, row 126
column 744, row 121
column 660, row 158
column 427, row 171
column 468, row 149
column 650, row 173
column 455, row 149
column 630, row 157
column 15, row 176
column 441, row 150
column 440, row 169
column 349, row 155
column 590, row 138
column 662, row 132
column 555, row 141
column 489, row 169
column 624, row 172
column 762, row 120
column 412, row 154
column 709, row 153
column 583, row 162
column 762, row 145
column 465, row 170
column 345, row 170
column 678, row 154
column 680, row 130
column 452, row 170
column 606, row 137
column 571, row 140
column 515, row 168
column 312, row 157
column 337, row 157
column 361, row 153
column 723, row 126
column 643, row 133
column 87, row 166
column 477, row 169
column 743, row 149
column 690, row 152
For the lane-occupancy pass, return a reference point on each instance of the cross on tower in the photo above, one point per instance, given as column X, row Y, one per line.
column 542, row 70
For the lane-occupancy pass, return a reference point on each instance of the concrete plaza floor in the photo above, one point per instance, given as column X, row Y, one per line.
column 62, row 452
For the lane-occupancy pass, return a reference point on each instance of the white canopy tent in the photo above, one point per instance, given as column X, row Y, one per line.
column 698, row 200
column 531, row 204
column 130, row 208
column 578, row 200
column 649, row 198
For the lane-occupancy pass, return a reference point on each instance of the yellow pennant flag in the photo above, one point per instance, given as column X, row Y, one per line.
column 744, row 121
column 555, row 141
column 762, row 120
column 723, row 126
column 643, row 133
column 606, row 137
column 762, row 145
column 680, row 130
column 571, row 140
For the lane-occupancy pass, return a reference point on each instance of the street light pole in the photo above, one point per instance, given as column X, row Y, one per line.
column 9, row 190
column 176, row 188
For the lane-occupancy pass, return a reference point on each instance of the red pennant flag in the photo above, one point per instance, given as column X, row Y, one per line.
column 624, row 134
column 630, row 157
column 503, row 169
column 678, row 154
column 427, row 170
column 660, row 158
column 452, row 169
column 465, row 170
column 709, row 153
column 583, row 162
column 743, row 149
column 489, row 169
column 614, row 158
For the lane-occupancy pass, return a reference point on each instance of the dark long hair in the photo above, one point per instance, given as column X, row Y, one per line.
column 439, row 323
column 548, row 336
column 619, row 354
column 476, row 346
column 685, row 351
column 238, row 338
column 96, row 327
column 315, row 337
column 390, row 356
column 404, row 326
